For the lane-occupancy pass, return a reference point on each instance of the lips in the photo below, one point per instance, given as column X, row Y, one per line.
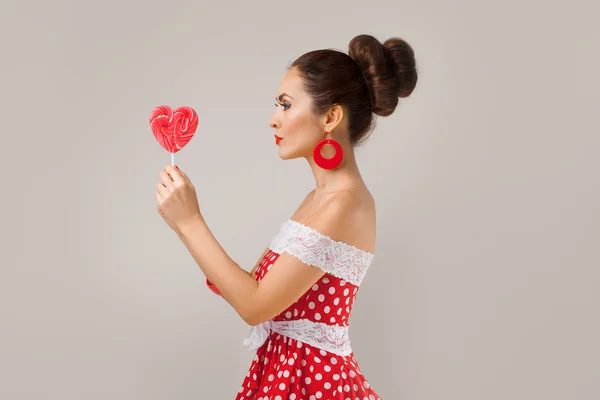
column 278, row 139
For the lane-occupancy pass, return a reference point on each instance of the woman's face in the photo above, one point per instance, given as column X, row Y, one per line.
column 297, row 128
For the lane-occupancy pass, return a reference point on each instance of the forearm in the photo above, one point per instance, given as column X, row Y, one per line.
column 236, row 285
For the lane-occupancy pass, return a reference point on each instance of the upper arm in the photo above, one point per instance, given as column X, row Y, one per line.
column 290, row 276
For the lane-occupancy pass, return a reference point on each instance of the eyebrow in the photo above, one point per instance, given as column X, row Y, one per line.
column 280, row 97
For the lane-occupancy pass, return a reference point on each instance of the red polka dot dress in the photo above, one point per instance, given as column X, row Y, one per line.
column 304, row 353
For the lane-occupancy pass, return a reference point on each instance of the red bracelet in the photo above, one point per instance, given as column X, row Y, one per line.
column 213, row 287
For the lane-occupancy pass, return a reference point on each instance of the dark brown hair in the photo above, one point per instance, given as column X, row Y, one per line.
column 368, row 80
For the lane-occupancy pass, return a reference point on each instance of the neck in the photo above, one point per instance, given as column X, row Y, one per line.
column 343, row 177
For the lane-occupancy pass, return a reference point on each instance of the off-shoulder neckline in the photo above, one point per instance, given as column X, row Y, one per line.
column 300, row 224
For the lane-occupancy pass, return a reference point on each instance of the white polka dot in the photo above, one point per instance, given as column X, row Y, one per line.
column 342, row 282
column 282, row 357
column 291, row 361
column 318, row 395
column 271, row 378
column 325, row 280
column 339, row 311
column 317, row 359
column 336, row 301
column 311, row 305
column 318, row 377
column 323, row 352
column 321, row 297
column 292, row 396
column 331, row 290
column 281, row 386
column 327, row 309
column 333, row 360
column 355, row 387
column 303, row 362
column 366, row 384
column 346, row 388
column 352, row 374
column 346, row 291
column 318, row 316
column 327, row 385
column 336, row 377
column 308, row 380
column 288, row 314
column 344, row 375
column 332, row 320
column 327, row 368
column 254, row 376
column 286, row 373
column 279, row 374
column 312, row 368
column 348, row 300
column 295, row 312
column 278, row 397
column 315, row 287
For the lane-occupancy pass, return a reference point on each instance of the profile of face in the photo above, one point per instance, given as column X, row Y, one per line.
column 297, row 128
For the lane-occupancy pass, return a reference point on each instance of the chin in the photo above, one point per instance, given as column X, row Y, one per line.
column 287, row 155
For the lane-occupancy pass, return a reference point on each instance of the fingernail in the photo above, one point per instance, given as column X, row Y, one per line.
column 177, row 167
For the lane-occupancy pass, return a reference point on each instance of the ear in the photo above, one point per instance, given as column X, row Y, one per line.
column 334, row 117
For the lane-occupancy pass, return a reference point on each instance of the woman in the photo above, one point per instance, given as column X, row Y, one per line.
column 299, row 296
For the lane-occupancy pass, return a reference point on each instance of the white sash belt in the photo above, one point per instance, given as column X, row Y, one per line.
column 331, row 338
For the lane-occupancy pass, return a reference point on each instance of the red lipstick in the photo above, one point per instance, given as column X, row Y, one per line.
column 277, row 139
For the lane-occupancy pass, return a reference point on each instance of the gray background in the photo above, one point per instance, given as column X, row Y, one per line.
column 485, row 283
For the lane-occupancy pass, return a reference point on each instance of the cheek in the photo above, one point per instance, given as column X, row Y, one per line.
column 292, row 123
column 299, row 125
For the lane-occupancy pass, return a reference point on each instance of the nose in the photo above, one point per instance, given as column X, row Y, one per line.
column 274, row 122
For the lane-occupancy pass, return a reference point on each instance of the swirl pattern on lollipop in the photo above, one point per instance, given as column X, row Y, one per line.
column 173, row 129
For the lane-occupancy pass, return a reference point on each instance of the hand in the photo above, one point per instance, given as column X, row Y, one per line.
column 176, row 198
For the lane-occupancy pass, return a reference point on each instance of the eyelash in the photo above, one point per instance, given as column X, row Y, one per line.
column 284, row 104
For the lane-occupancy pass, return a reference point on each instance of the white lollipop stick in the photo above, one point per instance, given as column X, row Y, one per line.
column 173, row 159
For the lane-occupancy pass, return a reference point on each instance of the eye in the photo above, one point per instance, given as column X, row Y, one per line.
column 285, row 105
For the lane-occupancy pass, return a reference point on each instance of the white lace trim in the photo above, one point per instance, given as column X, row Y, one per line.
column 331, row 338
column 312, row 247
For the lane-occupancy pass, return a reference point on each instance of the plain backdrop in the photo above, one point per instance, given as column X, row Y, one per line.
column 485, row 283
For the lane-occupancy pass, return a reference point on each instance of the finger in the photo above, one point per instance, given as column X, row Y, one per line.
column 166, row 180
column 184, row 176
column 161, row 192
column 175, row 174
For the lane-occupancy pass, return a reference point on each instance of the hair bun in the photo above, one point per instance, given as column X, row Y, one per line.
column 389, row 68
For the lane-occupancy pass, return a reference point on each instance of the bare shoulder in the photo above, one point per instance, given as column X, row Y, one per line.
column 348, row 217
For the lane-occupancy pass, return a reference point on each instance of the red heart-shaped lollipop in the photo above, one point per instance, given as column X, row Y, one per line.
column 173, row 129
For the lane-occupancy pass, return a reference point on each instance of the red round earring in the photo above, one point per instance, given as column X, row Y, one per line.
column 328, row 163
